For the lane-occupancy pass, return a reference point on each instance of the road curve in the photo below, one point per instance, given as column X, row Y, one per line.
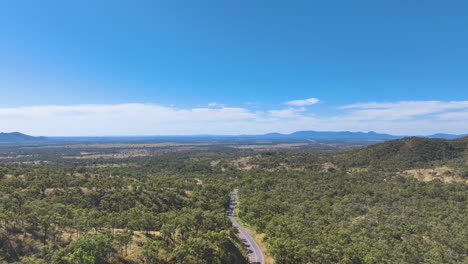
column 254, row 252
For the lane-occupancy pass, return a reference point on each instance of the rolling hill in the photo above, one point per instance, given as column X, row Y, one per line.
column 405, row 153
column 17, row 137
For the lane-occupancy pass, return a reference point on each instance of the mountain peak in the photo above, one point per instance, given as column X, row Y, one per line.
column 15, row 137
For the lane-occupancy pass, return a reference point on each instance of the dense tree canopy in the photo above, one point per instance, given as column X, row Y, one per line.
column 356, row 206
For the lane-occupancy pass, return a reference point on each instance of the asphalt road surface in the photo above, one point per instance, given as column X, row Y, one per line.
column 254, row 251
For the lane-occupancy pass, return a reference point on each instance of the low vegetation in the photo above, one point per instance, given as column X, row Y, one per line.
column 160, row 210
column 401, row 201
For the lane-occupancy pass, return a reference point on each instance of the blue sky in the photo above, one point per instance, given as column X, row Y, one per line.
column 230, row 67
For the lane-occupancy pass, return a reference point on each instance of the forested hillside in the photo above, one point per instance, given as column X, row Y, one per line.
column 361, row 208
column 405, row 153
column 360, row 217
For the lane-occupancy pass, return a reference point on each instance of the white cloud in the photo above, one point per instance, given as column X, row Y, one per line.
column 286, row 113
column 400, row 110
column 455, row 115
column 401, row 118
column 309, row 101
column 122, row 119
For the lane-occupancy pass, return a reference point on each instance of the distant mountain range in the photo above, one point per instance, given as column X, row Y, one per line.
column 328, row 136
column 18, row 137
column 347, row 135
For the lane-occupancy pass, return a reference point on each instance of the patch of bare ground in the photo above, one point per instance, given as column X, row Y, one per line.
column 328, row 166
column 53, row 191
column 186, row 195
column 214, row 163
column 133, row 251
column 199, row 181
column 444, row 173
column 358, row 218
column 363, row 169
column 70, row 235
column 284, row 167
column 11, row 176
column 247, row 163
column 112, row 165
column 32, row 162
column 127, row 153
column 16, row 156
column 134, row 248
column 243, row 163
column 267, row 147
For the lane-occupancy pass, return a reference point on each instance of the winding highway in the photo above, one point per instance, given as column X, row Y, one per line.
column 254, row 252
